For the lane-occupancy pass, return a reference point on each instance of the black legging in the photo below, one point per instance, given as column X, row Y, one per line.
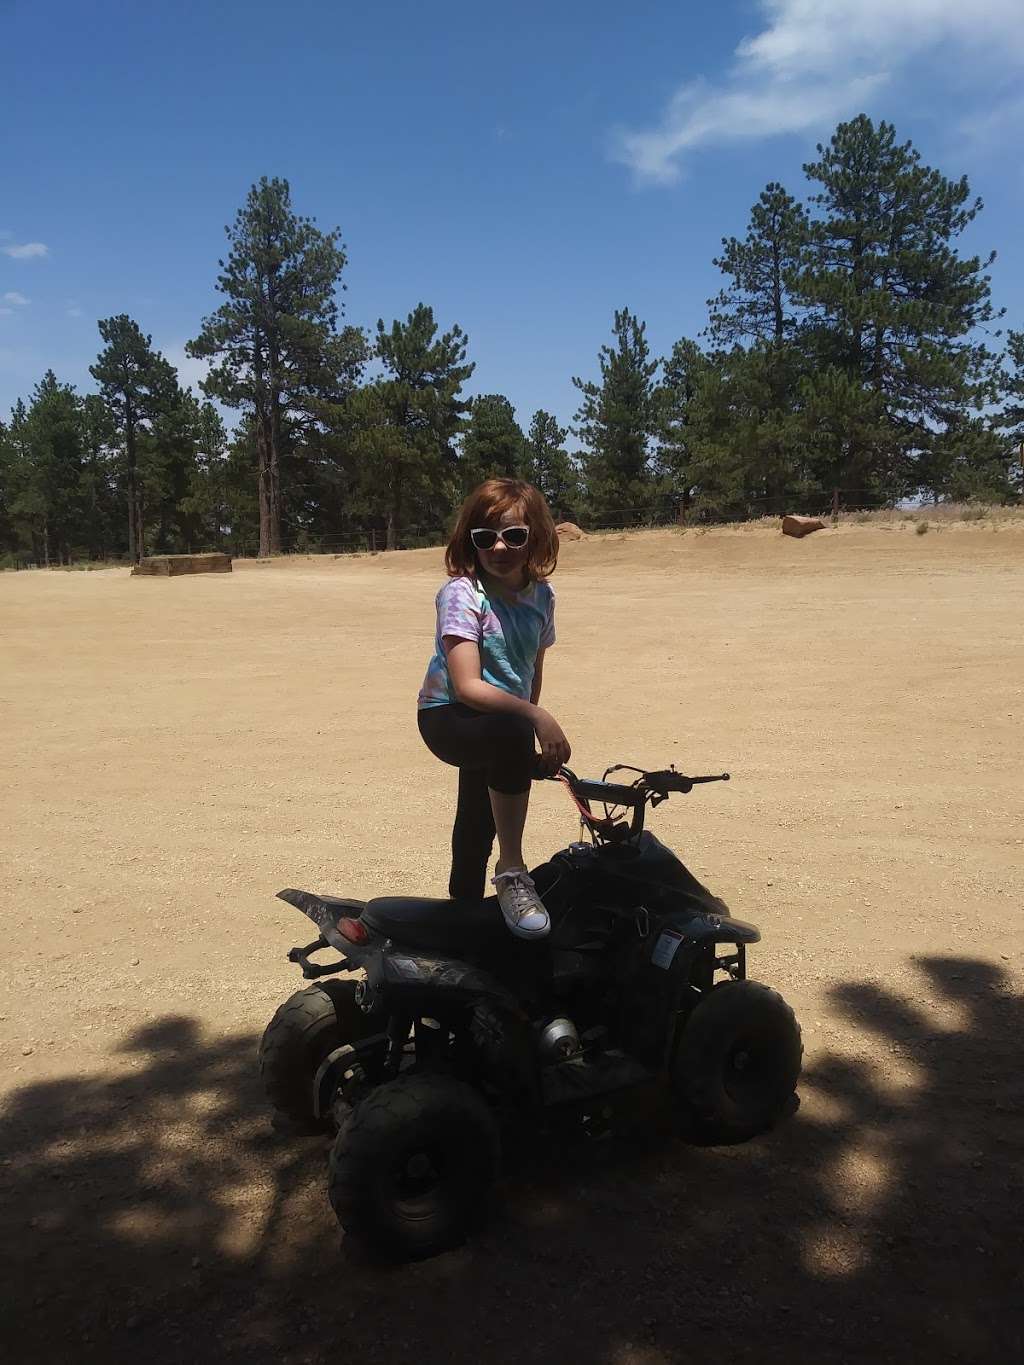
column 490, row 749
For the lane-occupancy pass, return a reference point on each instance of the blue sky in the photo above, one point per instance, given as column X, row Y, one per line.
column 524, row 169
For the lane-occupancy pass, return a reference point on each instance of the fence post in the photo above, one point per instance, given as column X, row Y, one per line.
column 835, row 504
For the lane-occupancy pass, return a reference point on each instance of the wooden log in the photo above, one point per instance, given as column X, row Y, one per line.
column 170, row 566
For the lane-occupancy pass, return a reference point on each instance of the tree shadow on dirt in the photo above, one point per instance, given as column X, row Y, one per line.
column 156, row 1215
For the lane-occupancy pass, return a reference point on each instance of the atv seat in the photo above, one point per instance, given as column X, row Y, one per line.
column 450, row 926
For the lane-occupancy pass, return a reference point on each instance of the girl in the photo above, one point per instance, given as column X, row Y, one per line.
column 477, row 707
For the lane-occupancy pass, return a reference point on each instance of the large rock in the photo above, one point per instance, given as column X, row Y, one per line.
column 801, row 526
column 169, row 566
column 568, row 530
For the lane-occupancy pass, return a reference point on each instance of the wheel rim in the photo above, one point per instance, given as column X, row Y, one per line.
column 418, row 1177
column 750, row 1072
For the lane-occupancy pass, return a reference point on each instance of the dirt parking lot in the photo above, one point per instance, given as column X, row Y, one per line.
column 177, row 750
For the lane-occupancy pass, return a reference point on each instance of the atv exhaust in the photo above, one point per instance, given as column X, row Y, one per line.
column 559, row 1040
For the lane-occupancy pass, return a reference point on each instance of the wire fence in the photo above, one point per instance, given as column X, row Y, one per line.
column 661, row 512
column 665, row 511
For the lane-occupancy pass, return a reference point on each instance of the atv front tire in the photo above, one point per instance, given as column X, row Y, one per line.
column 306, row 1028
column 412, row 1169
column 738, row 1062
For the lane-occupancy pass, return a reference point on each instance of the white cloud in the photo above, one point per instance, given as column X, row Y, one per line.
column 26, row 251
column 19, row 300
column 816, row 61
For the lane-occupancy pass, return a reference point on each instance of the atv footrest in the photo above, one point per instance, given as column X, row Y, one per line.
column 581, row 1078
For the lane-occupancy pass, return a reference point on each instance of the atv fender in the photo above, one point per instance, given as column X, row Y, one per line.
column 325, row 911
column 366, row 1052
column 672, row 966
column 704, row 928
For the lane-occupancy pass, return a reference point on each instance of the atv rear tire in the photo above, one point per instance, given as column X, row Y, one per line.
column 306, row 1028
column 412, row 1169
column 738, row 1061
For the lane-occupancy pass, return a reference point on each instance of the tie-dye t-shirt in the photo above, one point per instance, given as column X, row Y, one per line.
column 509, row 630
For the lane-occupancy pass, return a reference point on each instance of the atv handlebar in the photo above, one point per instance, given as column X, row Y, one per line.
column 649, row 786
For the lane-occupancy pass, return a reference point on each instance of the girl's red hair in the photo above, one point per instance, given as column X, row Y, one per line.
column 485, row 506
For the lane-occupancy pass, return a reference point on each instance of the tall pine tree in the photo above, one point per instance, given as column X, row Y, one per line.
column 550, row 467
column 404, row 424
column 894, row 311
column 48, row 497
column 617, row 420
column 274, row 340
column 134, row 382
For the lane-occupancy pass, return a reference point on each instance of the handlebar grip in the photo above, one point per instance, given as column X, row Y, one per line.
column 668, row 781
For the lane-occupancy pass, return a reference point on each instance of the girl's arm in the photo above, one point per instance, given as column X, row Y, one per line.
column 470, row 688
column 538, row 677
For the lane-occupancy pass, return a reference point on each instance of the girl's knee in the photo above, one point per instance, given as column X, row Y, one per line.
column 515, row 732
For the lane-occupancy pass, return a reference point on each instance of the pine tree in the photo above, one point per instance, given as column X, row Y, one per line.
column 98, row 486
column 47, row 482
column 758, row 311
column 170, row 449
column 679, row 417
column 758, row 306
column 726, row 448
column 493, row 444
column 8, row 531
column 206, row 502
column 969, row 461
column 241, row 489
column 850, row 444
column 1009, row 422
column 404, row 424
column 274, row 341
column 617, row 420
column 550, row 467
column 893, row 310
column 134, row 381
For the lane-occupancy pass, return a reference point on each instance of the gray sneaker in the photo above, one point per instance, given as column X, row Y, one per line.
column 523, row 909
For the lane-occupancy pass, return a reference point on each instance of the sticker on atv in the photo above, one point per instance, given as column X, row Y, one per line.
column 665, row 948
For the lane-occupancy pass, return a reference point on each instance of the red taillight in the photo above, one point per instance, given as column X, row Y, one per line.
column 353, row 929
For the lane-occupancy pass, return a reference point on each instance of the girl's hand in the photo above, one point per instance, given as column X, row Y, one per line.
column 554, row 747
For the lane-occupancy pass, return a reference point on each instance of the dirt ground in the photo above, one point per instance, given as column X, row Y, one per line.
column 177, row 750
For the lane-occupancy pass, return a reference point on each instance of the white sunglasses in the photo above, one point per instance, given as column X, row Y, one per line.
column 512, row 537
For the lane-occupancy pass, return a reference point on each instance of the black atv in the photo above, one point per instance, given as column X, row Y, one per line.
column 457, row 1031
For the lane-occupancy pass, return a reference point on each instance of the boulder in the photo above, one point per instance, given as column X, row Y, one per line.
column 801, row 526
column 169, row 566
column 568, row 530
